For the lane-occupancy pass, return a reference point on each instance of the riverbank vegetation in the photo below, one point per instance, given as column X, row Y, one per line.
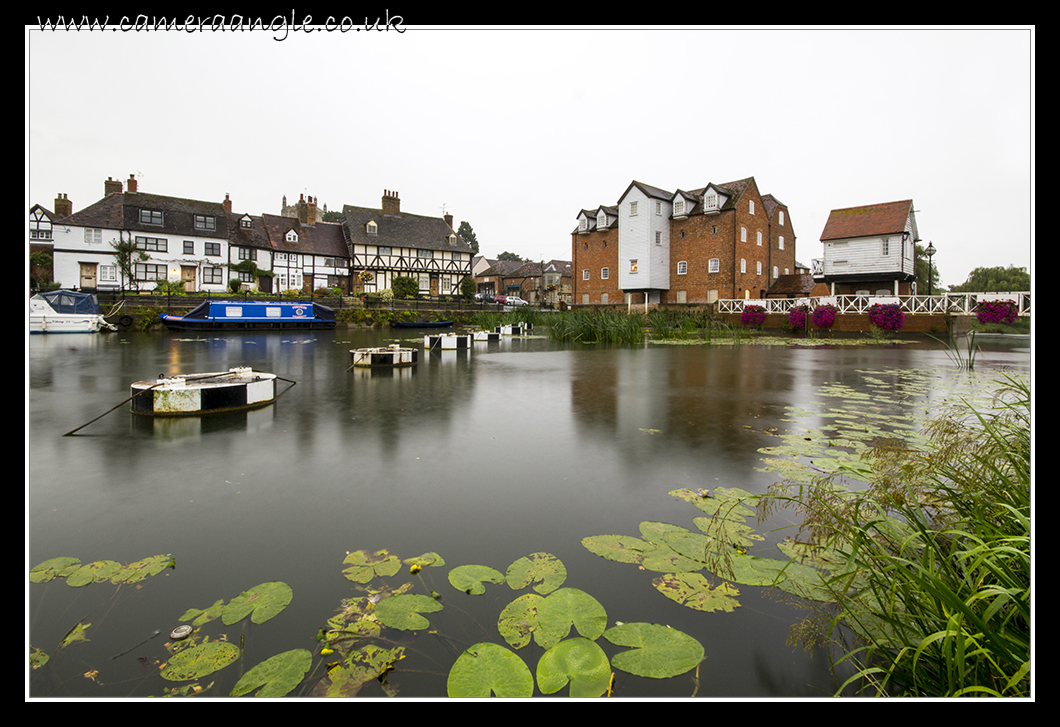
column 929, row 586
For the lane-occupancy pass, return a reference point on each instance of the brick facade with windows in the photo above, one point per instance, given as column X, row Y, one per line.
column 724, row 242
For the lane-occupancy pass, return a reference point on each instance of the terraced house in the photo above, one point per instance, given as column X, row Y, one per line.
column 685, row 246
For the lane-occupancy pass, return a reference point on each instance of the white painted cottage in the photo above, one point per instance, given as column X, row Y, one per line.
column 869, row 250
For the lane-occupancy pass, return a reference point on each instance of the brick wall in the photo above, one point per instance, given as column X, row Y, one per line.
column 594, row 251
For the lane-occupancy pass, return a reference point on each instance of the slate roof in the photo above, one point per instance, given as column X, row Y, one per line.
column 797, row 285
column 121, row 211
column 324, row 238
column 869, row 220
column 402, row 230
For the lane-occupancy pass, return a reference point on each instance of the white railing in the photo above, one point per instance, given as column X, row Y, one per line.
column 947, row 303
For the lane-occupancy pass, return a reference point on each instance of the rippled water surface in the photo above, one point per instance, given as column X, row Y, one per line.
column 517, row 447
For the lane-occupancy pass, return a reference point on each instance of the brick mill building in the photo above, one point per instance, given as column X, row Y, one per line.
column 686, row 246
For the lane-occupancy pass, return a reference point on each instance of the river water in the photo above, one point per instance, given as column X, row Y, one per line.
column 518, row 447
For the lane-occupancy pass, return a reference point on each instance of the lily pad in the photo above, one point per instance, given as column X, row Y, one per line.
column 200, row 616
column 568, row 607
column 427, row 559
column 578, row 661
column 101, row 570
column 653, row 556
column 518, row 621
column 471, row 579
column 54, row 568
column 485, row 669
column 657, row 652
column 261, row 602
column 364, row 566
column 357, row 669
column 200, row 660
column 403, row 612
column 141, row 569
column 695, row 591
column 276, row 676
column 545, row 570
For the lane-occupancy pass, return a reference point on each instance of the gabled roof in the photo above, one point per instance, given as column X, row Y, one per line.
column 120, row 211
column 501, row 268
column 403, row 230
column 874, row 219
column 648, row 190
column 324, row 238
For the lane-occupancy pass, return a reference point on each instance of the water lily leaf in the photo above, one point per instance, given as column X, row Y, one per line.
column 54, row 568
column 485, row 669
column 200, row 660
column 76, row 634
column 359, row 667
column 568, row 607
column 695, row 591
column 364, row 566
column 101, row 570
column 543, row 569
column 619, row 548
column 141, row 569
column 658, row 652
column 728, row 531
column 694, row 546
column 471, row 579
column 518, row 620
column 581, row 662
column 276, row 676
column 37, row 657
column 200, row 616
column 403, row 612
column 262, row 602
column 425, row 560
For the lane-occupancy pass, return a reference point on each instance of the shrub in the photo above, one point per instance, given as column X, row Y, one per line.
column 797, row 317
column 753, row 315
column 405, row 287
column 824, row 315
column 887, row 316
column 996, row 311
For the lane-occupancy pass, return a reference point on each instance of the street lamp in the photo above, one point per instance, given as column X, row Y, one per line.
column 930, row 253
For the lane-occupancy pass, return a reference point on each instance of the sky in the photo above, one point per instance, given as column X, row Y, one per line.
column 515, row 130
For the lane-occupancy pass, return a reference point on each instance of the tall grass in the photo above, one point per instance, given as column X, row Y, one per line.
column 930, row 566
column 590, row 326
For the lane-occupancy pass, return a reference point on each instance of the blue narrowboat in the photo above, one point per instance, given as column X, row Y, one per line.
column 216, row 315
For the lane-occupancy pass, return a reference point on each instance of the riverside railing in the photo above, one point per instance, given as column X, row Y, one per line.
column 947, row 303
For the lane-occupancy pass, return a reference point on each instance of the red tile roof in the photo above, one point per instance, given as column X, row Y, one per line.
column 873, row 219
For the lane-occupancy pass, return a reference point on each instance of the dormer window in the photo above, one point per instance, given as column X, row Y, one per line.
column 583, row 224
column 710, row 201
column 205, row 222
column 291, row 236
column 679, row 208
column 601, row 220
column 245, row 223
column 151, row 217
column 452, row 239
column 371, row 228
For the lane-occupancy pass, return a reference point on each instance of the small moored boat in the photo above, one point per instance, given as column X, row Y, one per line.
column 66, row 311
column 393, row 355
column 237, row 389
column 213, row 315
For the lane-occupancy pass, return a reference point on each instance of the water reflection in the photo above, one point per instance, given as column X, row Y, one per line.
column 484, row 456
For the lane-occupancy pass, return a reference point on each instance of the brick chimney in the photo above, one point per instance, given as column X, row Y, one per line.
column 63, row 206
column 391, row 203
column 311, row 211
column 227, row 204
column 130, row 186
column 111, row 186
column 448, row 220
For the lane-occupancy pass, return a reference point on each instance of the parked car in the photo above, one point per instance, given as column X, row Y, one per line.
column 514, row 300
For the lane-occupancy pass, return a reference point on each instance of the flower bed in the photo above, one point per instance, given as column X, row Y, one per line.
column 887, row 316
column 1003, row 312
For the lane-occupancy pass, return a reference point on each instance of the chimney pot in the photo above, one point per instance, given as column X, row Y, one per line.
column 130, row 186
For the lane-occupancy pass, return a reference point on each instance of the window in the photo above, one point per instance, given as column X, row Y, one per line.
column 682, row 267
column 245, row 223
column 885, row 246
column 710, row 201
column 714, row 265
column 145, row 271
column 204, row 222
column 603, row 298
column 93, row 237
column 758, row 267
column 632, row 208
column 743, row 265
column 384, row 250
column 246, row 277
column 760, row 238
column 424, row 253
column 291, row 236
column 781, row 242
column 714, row 230
column 679, row 207
column 781, row 219
column 633, row 266
column 585, row 298
column 682, row 296
column 743, row 234
column 108, row 273
column 658, row 208
column 776, row 272
column 151, row 217
column 154, row 244
column 248, row 253
column 601, row 221
column 583, row 224
column 371, row 228
column 189, row 247
column 425, row 283
column 213, row 249
column 604, row 273
column 212, row 276
column 585, row 274
column 751, row 206
column 658, row 237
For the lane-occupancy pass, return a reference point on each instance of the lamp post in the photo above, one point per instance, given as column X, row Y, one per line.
column 930, row 254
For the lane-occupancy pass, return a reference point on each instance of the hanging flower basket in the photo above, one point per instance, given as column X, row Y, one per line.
column 824, row 315
column 1004, row 312
column 798, row 316
column 753, row 315
column 887, row 316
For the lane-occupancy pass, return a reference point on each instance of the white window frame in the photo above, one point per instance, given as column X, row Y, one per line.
column 714, row 265
column 633, row 208
column 93, row 236
column 781, row 242
column 605, row 274
column 585, row 273
column 781, row 218
column 371, row 228
column 751, row 206
column 760, row 238
column 743, row 234
column 758, row 268
column 743, row 265
column 679, row 207
column 633, row 265
column 682, row 267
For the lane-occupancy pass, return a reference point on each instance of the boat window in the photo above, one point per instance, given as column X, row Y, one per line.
column 233, row 311
column 272, row 311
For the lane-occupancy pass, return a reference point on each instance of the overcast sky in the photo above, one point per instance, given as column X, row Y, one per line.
column 516, row 130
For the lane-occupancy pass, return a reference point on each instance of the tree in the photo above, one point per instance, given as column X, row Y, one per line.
column 126, row 255
column 405, row 287
column 468, row 287
column 510, row 256
column 331, row 216
column 995, row 280
column 468, row 235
